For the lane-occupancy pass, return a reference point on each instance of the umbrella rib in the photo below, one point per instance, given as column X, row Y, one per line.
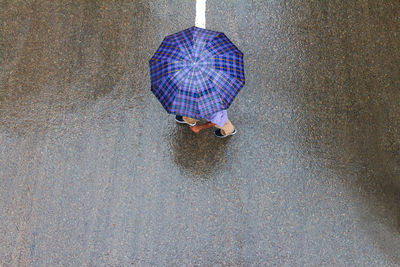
column 165, row 65
column 220, row 87
column 238, row 79
column 173, row 41
column 179, row 93
column 190, row 84
column 195, row 42
column 192, row 38
column 170, row 80
column 205, row 42
column 180, row 38
column 170, row 46
column 180, row 48
column 195, row 108
column 229, row 68
column 163, row 74
column 208, row 92
column 222, row 100
column 214, row 70
column 226, row 59
column 208, row 49
column 225, row 50
column 230, row 60
column 200, row 97
column 156, row 59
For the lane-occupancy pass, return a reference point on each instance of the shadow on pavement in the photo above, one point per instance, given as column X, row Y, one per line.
column 351, row 114
column 60, row 57
column 201, row 155
column 361, row 150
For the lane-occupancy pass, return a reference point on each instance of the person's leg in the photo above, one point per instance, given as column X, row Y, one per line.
column 189, row 120
column 185, row 120
column 227, row 129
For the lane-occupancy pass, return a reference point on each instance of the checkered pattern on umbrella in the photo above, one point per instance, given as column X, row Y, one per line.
column 196, row 72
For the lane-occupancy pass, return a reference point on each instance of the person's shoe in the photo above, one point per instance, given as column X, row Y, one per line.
column 179, row 119
column 218, row 133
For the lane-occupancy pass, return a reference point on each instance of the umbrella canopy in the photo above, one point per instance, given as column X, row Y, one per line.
column 196, row 72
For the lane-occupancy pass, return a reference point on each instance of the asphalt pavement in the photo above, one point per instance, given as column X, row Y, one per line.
column 94, row 172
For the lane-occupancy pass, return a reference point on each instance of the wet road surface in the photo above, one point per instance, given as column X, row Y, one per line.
column 94, row 172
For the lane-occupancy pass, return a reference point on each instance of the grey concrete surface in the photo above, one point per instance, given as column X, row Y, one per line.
column 93, row 172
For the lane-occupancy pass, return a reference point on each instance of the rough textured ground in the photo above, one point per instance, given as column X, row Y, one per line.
column 94, row 172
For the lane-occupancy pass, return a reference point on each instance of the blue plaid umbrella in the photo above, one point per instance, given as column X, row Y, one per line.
column 196, row 72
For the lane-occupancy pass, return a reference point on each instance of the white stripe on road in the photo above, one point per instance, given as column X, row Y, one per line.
column 201, row 13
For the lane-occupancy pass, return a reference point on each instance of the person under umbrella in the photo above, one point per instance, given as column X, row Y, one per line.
column 197, row 73
column 219, row 120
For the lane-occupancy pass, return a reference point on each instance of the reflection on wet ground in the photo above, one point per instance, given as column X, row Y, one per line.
column 93, row 171
column 199, row 155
